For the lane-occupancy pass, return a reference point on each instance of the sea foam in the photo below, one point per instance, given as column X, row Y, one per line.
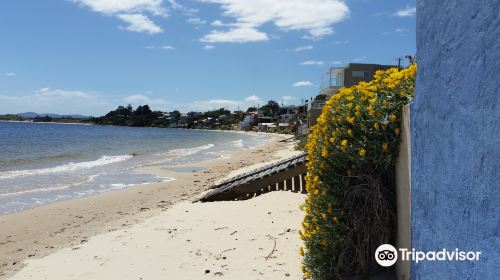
column 189, row 151
column 104, row 160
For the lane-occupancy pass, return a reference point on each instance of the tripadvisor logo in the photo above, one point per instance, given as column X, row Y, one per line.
column 386, row 255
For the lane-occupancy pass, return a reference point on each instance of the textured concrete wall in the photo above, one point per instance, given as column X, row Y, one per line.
column 403, row 193
column 455, row 140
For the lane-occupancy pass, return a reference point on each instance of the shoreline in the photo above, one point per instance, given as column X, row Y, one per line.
column 43, row 230
column 47, row 122
column 196, row 129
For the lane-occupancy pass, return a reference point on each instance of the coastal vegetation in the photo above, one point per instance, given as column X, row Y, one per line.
column 127, row 116
column 220, row 118
column 350, row 207
column 270, row 114
column 44, row 118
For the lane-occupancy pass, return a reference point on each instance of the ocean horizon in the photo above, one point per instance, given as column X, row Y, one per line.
column 43, row 163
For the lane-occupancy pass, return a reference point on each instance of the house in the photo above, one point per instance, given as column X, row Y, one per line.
column 336, row 78
column 287, row 114
column 182, row 120
column 314, row 109
column 249, row 120
column 348, row 76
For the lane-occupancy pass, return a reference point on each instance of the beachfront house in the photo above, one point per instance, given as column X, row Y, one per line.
column 249, row 120
column 336, row 78
column 287, row 114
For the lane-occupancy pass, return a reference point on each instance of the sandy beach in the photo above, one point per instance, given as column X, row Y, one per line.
column 154, row 231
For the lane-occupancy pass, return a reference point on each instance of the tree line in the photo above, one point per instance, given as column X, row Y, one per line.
column 143, row 116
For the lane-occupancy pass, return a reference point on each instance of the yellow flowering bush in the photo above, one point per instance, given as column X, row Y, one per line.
column 350, row 207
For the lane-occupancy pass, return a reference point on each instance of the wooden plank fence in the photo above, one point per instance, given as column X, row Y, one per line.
column 286, row 175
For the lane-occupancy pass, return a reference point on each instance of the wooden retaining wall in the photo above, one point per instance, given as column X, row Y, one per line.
column 285, row 175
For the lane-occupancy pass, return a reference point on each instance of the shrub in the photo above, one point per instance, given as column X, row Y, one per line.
column 350, row 207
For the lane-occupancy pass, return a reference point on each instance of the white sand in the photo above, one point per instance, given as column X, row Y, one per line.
column 230, row 239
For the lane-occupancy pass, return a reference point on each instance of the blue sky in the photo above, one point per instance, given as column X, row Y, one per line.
column 89, row 56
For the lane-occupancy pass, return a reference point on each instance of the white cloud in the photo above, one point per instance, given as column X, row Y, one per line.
column 240, row 34
column 212, row 104
column 312, row 62
column 139, row 23
column 401, row 30
column 406, row 12
column 336, row 62
column 228, row 104
column 9, row 74
column 208, row 47
column 303, row 84
column 168, row 47
column 48, row 100
column 196, row 21
column 253, row 98
column 139, row 99
column 150, row 47
column 133, row 12
column 111, row 7
column 183, row 9
column 217, row 23
column 313, row 16
column 304, row 48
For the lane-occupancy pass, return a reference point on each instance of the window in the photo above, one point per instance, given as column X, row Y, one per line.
column 360, row 74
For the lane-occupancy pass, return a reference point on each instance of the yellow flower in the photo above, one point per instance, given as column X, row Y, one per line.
column 376, row 126
column 397, row 130
column 392, row 118
column 371, row 111
column 344, row 143
column 335, row 219
column 349, row 132
column 324, row 152
column 362, row 152
column 323, row 215
column 301, row 251
column 385, row 146
column 332, row 140
column 373, row 100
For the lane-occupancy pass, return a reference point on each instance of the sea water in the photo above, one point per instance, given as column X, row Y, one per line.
column 42, row 163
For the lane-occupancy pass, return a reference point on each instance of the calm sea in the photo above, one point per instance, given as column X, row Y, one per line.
column 43, row 163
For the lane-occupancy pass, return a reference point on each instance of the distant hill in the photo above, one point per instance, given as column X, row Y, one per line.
column 31, row 115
